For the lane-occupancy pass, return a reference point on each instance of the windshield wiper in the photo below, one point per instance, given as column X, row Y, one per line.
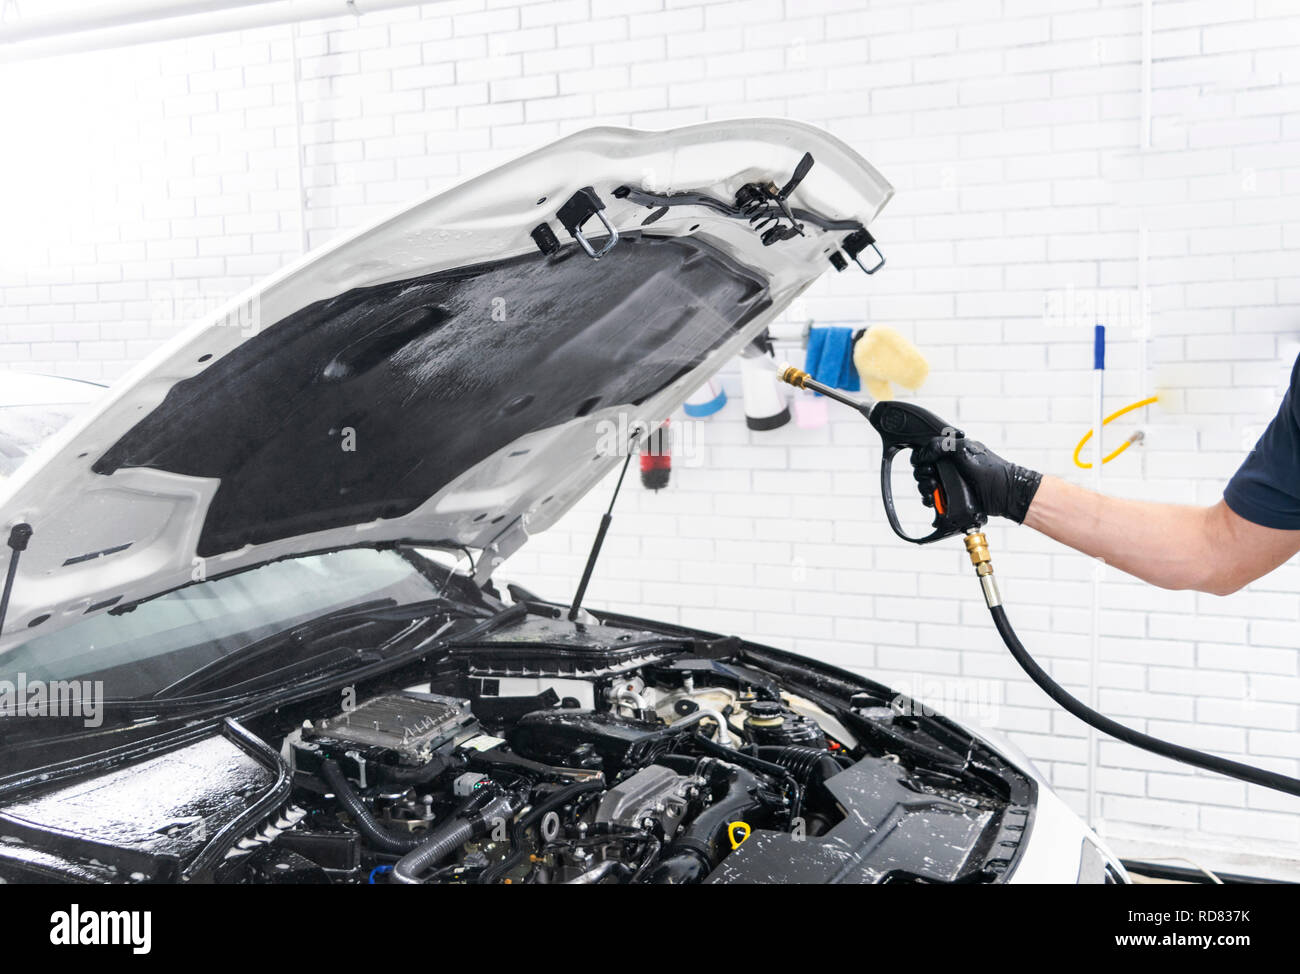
column 514, row 613
column 315, row 666
column 183, row 703
column 363, row 614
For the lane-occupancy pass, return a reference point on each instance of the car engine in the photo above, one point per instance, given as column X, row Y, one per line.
column 548, row 752
column 650, row 788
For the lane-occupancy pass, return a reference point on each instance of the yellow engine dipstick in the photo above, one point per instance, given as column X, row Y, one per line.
column 740, row 829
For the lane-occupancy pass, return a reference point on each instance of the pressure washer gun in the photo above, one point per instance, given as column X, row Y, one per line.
column 901, row 426
column 957, row 511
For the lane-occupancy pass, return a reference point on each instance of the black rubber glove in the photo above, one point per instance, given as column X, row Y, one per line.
column 1004, row 489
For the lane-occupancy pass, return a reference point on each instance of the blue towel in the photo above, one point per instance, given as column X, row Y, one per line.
column 830, row 358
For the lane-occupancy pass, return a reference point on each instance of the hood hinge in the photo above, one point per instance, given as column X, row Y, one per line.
column 499, row 549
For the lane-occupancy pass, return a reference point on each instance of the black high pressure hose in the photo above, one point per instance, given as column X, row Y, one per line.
column 1187, row 755
column 977, row 547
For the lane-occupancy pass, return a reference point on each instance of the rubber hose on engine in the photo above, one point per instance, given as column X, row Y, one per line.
column 734, row 756
column 367, row 824
column 1187, row 755
column 474, row 820
column 648, row 859
column 810, row 765
column 707, row 834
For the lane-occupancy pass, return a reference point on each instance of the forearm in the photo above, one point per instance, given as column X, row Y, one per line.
column 1168, row 545
column 1210, row 549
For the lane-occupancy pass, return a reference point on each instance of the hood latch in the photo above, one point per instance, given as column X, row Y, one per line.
column 581, row 207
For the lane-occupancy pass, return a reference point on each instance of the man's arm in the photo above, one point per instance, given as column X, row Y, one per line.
column 1215, row 549
column 1210, row 549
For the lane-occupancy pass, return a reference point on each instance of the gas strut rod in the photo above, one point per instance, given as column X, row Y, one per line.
column 605, row 520
column 19, row 535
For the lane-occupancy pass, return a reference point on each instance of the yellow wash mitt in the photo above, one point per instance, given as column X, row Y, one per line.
column 883, row 356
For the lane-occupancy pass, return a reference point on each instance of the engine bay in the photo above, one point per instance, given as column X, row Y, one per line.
column 557, row 752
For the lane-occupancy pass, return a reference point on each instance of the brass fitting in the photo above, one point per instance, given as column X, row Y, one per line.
column 795, row 377
column 977, row 546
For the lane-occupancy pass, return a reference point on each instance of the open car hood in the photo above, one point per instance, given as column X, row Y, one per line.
column 436, row 377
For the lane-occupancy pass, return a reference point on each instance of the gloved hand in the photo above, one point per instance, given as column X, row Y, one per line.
column 1004, row 489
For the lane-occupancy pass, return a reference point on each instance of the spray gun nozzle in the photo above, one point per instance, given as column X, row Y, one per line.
column 802, row 380
column 796, row 377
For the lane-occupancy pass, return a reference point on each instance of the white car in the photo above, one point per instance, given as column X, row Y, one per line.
column 233, row 559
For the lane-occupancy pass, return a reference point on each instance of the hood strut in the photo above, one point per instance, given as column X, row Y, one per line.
column 605, row 520
column 19, row 535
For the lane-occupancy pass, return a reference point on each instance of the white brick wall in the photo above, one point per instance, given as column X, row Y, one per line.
column 138, row 186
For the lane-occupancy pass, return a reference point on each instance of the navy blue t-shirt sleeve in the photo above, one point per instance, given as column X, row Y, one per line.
column 1266, row 490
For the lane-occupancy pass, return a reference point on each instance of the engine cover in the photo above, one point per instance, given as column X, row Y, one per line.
column 655, row 793
column 412, row 726
column 581, row 738
column 392, row 738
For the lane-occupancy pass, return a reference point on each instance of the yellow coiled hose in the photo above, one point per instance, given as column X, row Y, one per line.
column 1123, row 446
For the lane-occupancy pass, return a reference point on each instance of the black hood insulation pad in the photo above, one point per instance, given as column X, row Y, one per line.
column 432, row 375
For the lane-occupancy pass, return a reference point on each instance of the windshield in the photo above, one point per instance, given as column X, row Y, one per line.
column 24, row 428
column 141, row 652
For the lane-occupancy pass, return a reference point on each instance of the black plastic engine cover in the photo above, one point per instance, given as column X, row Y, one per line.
column 891, row 832
column 580, row 737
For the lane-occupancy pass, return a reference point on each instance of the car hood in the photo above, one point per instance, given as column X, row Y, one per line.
column 435, row 377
